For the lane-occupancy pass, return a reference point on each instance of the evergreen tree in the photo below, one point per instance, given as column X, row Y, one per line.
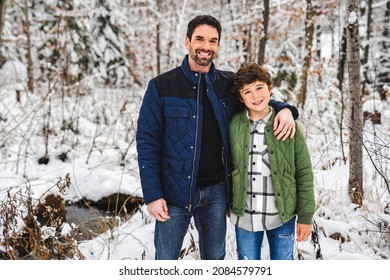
column 109, row 50
column 65, row 48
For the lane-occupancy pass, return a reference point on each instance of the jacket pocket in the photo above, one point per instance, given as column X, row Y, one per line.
column 238, row 206
column 230, row 106
column 290, row 193
column 176, row 120
column 176, row 166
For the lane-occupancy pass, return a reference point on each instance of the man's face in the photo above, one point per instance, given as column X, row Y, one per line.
column 202, row 48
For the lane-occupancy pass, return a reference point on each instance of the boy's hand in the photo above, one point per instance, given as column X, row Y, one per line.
column 284, row 125
column 303, row 231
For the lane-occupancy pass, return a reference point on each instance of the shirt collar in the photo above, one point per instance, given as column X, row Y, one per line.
column 264, row 120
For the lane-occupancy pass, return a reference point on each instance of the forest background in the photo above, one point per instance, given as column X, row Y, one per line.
column 73, row 74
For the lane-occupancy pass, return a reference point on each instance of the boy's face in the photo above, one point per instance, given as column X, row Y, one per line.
column 202, row 47
column 256, row 97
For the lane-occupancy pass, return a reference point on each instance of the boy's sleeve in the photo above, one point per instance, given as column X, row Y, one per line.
column 279, row 105
column 304, row 178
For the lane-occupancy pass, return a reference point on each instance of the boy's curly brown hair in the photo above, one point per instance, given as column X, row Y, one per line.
column 249, row 73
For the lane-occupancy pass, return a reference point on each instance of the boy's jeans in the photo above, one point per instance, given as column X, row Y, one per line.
column 210, row 220
column 280, row 240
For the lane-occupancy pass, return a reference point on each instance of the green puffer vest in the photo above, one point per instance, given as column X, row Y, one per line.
column 291, row 169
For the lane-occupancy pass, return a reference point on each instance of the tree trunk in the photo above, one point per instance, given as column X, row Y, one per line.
column 158, row 41
column 309, row 30
column 30, row 82
column 355, row 188
column 367, row 46
column 340, row 78
column 342, row 59
column 264, row 34
column 383, row 75
column 2, row 15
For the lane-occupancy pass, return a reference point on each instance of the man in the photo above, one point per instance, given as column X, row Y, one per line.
column 183, row 146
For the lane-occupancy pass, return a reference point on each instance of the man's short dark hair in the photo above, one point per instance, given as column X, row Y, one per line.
column 201, row 20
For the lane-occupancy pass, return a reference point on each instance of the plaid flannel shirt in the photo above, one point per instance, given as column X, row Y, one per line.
column 261, row 212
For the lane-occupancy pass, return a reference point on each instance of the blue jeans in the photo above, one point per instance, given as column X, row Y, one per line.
column 210, row 220
column 280, row 241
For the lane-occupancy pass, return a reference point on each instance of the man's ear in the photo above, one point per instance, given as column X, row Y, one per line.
column 187, row 42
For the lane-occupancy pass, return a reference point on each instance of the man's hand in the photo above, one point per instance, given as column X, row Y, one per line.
column 158, row 209
column 303, row 231
column 284, row 125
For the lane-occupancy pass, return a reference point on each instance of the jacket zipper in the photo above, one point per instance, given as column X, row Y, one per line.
column 226, row 168
column 196, row 142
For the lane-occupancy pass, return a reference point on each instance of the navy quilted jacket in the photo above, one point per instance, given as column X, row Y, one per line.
column 169, row 131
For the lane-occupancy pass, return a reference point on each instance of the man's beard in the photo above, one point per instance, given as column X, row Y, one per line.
column 202, row 61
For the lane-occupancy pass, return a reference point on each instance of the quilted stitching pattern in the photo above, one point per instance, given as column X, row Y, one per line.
column 292, row 174
column 169, row 112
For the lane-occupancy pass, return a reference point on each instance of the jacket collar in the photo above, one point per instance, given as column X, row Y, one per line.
column 243, row 115
column 193, row 76
column 266, row 119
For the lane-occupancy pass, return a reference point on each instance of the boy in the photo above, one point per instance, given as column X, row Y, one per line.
column 272, row 180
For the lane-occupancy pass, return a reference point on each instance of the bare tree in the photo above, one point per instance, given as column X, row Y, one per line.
column 158, row 41
column 264, row 33
column 356, row 116
column 2, row 16
column 30, row 83
column 340, row 77
column 384, row 60
column 309, row 30
column 367, row 46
